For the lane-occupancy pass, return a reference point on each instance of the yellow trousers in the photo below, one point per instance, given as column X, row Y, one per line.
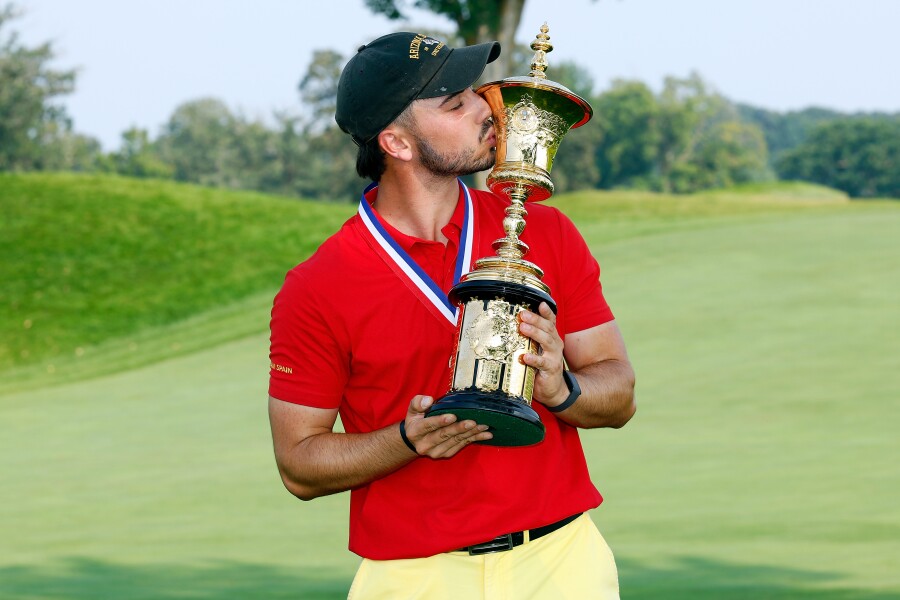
column 573, row 562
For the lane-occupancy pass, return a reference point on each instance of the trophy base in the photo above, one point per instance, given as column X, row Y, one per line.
column 512, row 423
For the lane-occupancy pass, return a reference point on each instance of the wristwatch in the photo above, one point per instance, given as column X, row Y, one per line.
column 574, row 393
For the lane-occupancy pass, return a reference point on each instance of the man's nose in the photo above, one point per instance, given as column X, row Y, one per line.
column 484, row 110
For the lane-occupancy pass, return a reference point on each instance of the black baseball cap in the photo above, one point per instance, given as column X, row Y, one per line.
column 386, row 75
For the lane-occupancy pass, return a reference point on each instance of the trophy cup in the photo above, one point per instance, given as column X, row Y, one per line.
column 490, row 384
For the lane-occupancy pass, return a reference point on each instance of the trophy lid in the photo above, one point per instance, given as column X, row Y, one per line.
column 578, row 112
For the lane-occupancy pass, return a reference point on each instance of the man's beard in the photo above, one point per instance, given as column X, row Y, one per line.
column 453, row 165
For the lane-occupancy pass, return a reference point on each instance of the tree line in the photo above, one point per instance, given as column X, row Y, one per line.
column 683, row 138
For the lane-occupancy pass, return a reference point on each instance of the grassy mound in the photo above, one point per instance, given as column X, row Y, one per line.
column 89, row 259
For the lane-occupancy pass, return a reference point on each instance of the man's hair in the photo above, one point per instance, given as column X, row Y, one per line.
column 370, row 159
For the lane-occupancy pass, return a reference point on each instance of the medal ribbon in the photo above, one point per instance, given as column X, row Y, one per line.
column 430, row 291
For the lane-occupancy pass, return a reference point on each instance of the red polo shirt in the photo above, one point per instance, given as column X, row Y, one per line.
column 349, row 333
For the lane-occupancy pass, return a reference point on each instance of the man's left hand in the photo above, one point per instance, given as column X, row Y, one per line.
column 549, row 386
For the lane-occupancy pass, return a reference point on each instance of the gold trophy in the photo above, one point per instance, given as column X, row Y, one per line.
column 490, row 384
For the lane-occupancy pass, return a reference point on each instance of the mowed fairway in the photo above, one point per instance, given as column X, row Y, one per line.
column 762, row 462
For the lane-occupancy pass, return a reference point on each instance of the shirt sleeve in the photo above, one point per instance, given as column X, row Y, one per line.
column 308, row 363
column 582, row 293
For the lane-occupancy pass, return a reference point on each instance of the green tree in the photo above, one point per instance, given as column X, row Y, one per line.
column 255, row 157
column 730, row 152
column 204, row 142
column 318, row 87
column 858, row 156
column 65, row 150
column 29, row 114
column 682, row 103
column 785, row 131
column 629, row 116
column 329, row 168
column 574, row 167
column 198, row 142
column 290, row 153
column 704, row 143
column 328, row 154
column 139, row 157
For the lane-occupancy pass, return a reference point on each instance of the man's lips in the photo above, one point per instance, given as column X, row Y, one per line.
column 491, row 137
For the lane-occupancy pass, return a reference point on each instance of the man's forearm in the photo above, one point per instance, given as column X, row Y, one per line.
column 314, row 461
column 607, row 395
column 327, row 463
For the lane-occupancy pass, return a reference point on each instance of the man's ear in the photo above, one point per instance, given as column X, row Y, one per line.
column 396, row 142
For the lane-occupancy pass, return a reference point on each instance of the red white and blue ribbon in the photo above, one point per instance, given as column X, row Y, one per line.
column 429, row 291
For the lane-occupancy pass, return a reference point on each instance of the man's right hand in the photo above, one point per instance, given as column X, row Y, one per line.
column 440, row 436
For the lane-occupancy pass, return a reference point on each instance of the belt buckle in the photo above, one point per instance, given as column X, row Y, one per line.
column 498, row 544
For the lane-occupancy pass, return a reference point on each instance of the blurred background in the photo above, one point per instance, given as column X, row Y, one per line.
column 162, row 165
column 691, row 96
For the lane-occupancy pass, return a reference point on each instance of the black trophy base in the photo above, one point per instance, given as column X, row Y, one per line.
column 512, row 423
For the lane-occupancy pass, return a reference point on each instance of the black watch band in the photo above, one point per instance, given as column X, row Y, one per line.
column 405, row 439
column 574, row 393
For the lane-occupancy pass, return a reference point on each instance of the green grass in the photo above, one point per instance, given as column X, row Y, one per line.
column 761, row 462
column 87, row 259
column 159, row 482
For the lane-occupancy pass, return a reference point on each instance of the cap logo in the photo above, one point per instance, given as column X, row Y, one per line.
column 431, row 45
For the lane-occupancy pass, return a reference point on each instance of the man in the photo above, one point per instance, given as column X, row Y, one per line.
column 358, row 330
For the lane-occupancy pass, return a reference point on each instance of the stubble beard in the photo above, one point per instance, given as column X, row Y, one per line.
column 455, row 164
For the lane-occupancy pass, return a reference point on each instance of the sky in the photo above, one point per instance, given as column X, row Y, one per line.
column 137, row 60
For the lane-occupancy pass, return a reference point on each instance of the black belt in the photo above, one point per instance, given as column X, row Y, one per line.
column 511, row 540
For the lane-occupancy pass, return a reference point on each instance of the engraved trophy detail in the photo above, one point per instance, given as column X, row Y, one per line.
column 490, row 384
